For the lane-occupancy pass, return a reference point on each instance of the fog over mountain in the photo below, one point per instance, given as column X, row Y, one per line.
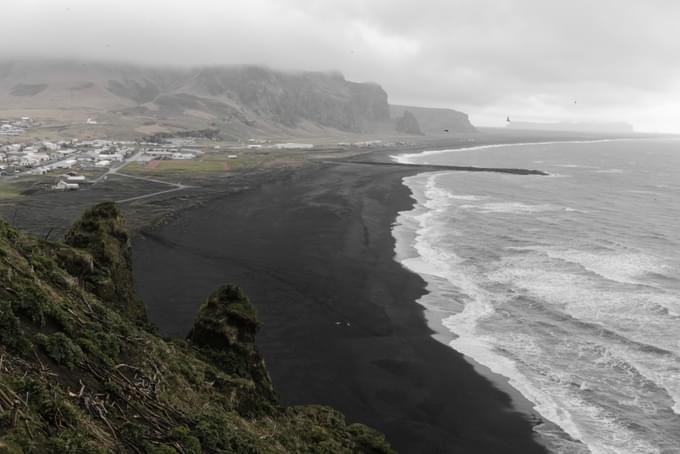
column 239, row 101
column 350, row 226
column 533, row 60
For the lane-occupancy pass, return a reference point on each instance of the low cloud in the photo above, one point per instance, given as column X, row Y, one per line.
column 527, row 58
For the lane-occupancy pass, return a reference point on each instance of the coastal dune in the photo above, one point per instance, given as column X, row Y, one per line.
column 313, row 248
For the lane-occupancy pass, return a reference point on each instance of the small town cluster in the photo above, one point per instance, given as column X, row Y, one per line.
column 75, row 162
column 43, row 157
column 16, row 127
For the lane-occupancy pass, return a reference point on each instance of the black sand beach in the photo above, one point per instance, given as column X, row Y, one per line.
column 314, row 251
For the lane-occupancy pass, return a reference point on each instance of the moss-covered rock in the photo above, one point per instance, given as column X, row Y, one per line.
column 107, row 271
column 80, row 374
column 227, row 318
column 224, row 331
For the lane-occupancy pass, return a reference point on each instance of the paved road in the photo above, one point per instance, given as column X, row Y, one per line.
column 115, row 171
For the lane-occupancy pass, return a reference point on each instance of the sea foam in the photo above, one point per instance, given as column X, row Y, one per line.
column 412, row 158
column 555, row 298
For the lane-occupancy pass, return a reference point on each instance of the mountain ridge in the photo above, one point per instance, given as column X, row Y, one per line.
column 239, row 100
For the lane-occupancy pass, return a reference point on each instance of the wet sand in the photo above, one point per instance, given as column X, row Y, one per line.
column 313, row 249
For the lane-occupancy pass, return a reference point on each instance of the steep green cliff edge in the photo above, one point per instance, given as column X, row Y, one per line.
column 82, row 372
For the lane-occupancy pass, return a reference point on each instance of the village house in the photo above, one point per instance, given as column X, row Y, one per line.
column 65, row 164
column 110, row 157
column 64, row 186
column 76, row 178
column 50, row 146
column 65, row 151
column 182, row 156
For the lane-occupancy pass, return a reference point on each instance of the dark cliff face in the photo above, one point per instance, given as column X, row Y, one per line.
column 80, row 374
column 291, row 98
column 433, row 121
column 248, row 99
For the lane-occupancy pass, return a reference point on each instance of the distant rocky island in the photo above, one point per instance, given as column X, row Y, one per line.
column 238, row 101
column 435, row 121
column 82, row 371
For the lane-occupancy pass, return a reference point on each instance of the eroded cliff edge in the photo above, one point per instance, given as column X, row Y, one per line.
column 81, row 371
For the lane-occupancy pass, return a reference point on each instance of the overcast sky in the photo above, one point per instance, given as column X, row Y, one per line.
column 529, row 59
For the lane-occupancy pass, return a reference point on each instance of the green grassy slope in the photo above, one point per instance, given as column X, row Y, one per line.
column 81, row 371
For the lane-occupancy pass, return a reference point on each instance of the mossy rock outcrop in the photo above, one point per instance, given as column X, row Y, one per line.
column 107, row 271
column 80, row 374
column 224, row 331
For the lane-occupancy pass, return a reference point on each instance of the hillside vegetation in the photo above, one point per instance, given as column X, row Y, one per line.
column 81, row 370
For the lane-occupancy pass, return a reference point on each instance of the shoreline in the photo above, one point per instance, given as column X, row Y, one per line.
column 315, row 252
column 518, row 400
column 404, row 158
column 434, row 319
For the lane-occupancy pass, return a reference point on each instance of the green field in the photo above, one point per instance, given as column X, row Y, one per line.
column 9, row 190
column 213, row 163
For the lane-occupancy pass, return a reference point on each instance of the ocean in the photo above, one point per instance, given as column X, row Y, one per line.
column 568, row 285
